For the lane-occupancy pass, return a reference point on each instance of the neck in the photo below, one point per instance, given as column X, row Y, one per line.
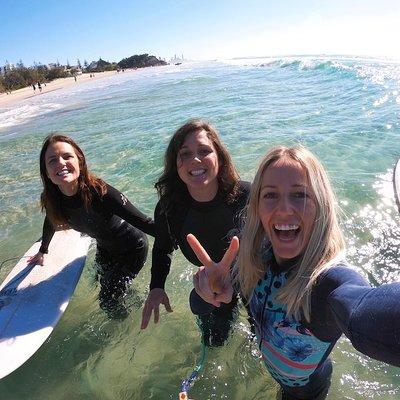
column 69, row 190
column 287, row 262
column 203, row 195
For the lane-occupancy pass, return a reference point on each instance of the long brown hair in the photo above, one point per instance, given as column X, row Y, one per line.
column 171, row 189
column 50, row 198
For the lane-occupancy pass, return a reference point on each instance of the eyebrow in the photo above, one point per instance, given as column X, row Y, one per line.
column 297, row 185
column 67, row 153
column 200, row 145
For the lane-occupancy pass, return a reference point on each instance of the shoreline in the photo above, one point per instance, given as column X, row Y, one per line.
column 9, row 100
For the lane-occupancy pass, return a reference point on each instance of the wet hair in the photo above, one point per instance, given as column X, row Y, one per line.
column 170, row 187
column 50, row 198
column 325, row 246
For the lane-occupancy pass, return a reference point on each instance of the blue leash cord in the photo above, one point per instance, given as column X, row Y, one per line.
column 188, row 383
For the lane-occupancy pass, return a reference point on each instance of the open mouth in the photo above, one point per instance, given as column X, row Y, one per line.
column 63, row 173
column 197, row 172
column 287, row 232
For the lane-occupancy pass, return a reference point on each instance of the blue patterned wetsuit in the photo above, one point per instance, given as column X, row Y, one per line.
column 296, row 352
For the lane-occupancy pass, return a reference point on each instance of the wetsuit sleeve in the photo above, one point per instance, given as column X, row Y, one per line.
column 47, row 235
column 369, row 317
column 116, row 203
column 162, row 250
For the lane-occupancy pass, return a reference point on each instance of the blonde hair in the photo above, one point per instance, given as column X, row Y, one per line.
column 325, row 245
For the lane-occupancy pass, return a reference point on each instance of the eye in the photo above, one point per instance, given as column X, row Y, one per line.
column 184, row 155
column 270, row 195
column 205, row 151
column 301, row 194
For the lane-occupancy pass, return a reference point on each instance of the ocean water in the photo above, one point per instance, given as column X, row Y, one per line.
column 346, row 110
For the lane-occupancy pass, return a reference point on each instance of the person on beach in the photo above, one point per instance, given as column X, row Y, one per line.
column 39, row 87
column 301, row 293
column 34, row 88
column 73, row 197
column 200, row 192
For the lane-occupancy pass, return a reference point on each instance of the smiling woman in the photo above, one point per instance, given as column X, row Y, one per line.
column 73, row 197
column 200, row 193
column 287, row 208
column 62, row 167
column 301, row 293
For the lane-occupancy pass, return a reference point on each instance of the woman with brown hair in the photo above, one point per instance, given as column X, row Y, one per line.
column 73, row 197
column 200, row 193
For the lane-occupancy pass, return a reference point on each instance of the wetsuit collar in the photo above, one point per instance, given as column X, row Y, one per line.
column 205, row 205
column 284, row 266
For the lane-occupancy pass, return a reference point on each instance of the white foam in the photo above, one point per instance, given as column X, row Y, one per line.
column 24, row 112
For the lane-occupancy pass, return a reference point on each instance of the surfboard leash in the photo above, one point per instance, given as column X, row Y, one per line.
column 11, row 259
column 21, row 275
column 198, row 369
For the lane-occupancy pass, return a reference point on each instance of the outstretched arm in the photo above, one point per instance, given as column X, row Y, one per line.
column 47, row 235
column 369, row 317
column 161, row 262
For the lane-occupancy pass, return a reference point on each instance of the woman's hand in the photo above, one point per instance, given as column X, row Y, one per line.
column 212, row 281
column 38, row 259
column 154, row 299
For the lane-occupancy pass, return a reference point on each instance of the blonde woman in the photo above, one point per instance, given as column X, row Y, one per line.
column 302, row 295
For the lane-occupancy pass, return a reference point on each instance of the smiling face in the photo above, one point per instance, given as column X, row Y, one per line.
column 62, row 167
column 197, row 165
column 287, row 208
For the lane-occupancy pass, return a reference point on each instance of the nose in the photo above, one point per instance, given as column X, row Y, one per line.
column 284, row 206
column 61, row 161
column 196, row 157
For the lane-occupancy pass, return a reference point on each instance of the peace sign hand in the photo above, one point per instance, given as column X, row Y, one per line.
column 212, row 281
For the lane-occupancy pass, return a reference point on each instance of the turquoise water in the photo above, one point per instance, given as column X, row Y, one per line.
column 346, row 110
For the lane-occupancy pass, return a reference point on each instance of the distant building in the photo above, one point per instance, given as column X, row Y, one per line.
column 177, row 60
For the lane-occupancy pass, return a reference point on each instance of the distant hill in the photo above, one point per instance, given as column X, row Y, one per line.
column 140, row 61
column 101, row 65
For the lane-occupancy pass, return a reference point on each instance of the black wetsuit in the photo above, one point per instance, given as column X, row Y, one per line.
column 214, row 223
column 118, row 228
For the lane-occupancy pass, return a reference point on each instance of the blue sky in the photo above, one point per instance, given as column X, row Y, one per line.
column 50, row 30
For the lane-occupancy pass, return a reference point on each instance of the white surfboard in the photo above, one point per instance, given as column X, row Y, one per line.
column 34, row 297
column 396, row 183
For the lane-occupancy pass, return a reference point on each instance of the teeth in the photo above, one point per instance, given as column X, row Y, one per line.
column 286, row 227
column 63, row 172
column 197, row 172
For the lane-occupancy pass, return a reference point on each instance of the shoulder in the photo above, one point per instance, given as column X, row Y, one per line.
column 159, row 210
column 336, row 276
column 244, row 187
column 242, row 194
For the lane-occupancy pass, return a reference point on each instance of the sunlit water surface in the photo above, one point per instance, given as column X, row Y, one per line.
column 346, row 110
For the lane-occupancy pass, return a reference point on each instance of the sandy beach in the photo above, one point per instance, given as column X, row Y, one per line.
column 8, row 100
